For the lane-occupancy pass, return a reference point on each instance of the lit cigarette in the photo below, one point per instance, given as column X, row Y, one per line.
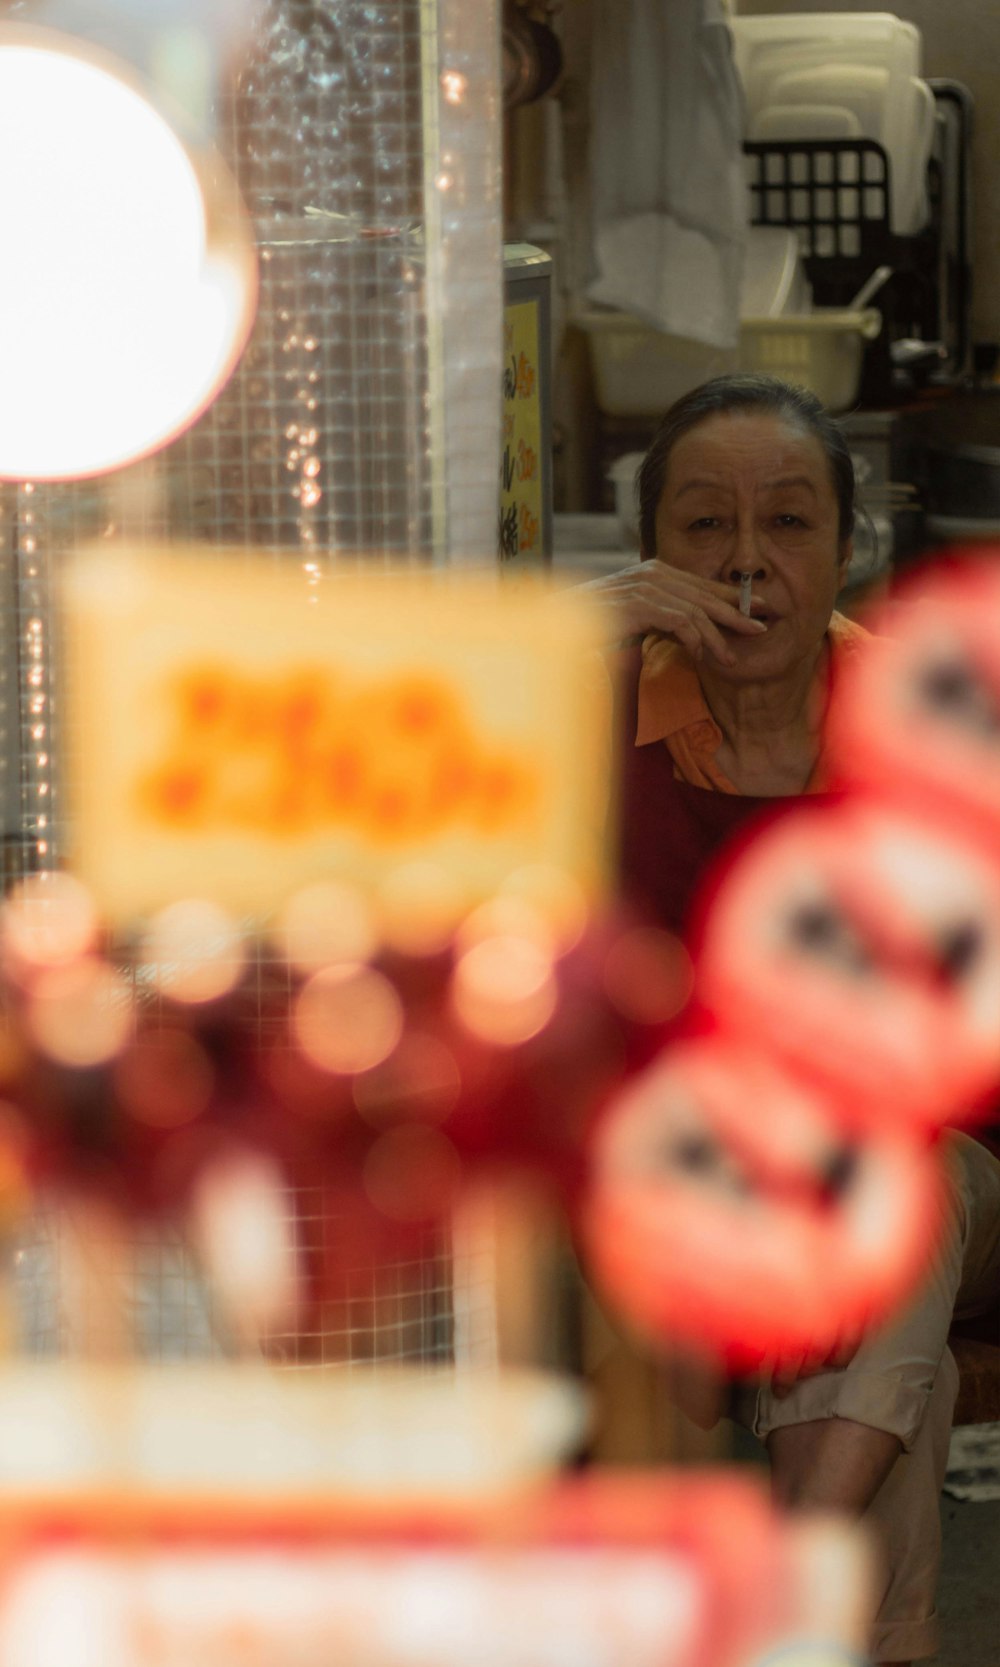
column 746, row 579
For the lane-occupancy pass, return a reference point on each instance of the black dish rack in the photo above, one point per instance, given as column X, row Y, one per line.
column 836, row 194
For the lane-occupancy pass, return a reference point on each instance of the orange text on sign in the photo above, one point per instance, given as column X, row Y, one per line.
column 529, row 529
column 313, row 751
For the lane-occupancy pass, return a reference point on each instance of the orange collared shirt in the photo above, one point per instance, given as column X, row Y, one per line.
column 673, row 709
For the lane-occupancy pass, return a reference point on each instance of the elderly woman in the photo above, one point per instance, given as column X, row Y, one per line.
column 748, row 482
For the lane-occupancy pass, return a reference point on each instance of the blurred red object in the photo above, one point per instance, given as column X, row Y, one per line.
column 862, row 947
column 916, row 715
column 729, row 1212
column 387, row 1101
column 695, row 1570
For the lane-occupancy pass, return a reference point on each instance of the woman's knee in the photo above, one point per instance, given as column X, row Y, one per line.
column 831, row 1462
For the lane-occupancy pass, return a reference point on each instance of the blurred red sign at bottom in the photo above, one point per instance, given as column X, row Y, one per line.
column 691, row 1572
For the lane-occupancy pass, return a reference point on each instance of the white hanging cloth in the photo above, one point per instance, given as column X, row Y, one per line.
column 669, row 198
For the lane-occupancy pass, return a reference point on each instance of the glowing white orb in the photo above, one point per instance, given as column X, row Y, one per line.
column 128, row 284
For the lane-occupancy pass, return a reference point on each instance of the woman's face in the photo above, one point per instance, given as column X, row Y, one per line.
column 750, row 492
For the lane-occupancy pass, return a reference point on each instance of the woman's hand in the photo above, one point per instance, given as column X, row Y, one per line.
column 650, row 596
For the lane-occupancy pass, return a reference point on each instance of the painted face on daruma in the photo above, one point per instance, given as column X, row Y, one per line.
column 863, row 948
column 747, row 491
column 917, row 714
column 751, row 1239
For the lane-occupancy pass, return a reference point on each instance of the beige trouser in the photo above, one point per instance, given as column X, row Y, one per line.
column 903, row 1379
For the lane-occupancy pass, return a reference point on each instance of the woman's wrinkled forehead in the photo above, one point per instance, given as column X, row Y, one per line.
column 758, row 447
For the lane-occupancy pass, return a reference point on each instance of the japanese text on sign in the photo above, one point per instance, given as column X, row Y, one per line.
column 398, row 759
column 236, row 734
column 520, row 467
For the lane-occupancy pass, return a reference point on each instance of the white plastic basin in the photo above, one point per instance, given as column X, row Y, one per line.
column 822, row 351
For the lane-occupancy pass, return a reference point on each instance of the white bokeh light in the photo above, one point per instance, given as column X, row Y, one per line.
column 128, row 284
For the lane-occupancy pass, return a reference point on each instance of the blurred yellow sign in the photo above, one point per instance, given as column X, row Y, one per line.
column 233, row 734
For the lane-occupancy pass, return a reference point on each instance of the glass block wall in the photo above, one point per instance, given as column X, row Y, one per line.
column 361, row 426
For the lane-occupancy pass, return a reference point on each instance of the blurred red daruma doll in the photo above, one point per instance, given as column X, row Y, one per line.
column 728, row 1214
column 862, row 947
column 917, row 715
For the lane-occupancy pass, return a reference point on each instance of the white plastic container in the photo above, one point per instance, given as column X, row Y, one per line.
column 822, row 351
column 803, row 121
column 867, row 63
column 897, row 112
column 865, row 37
column 861, row 88
column 638, row 371
column 774, row 278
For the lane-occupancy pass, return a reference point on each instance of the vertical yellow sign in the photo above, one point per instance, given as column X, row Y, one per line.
column 521, row 462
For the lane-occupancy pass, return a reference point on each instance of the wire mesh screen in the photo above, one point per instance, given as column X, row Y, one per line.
column 363, row 419
column 322, row 439
column 362, row 425
column 145, row 1286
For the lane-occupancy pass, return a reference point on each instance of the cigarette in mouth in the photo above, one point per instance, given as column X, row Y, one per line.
column 746, row 580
